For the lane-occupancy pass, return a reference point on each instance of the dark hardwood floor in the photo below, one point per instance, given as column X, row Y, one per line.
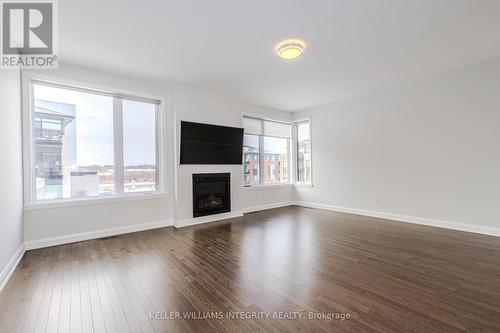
column 382, row 276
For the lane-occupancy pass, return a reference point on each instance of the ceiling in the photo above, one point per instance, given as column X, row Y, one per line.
column 353, row 46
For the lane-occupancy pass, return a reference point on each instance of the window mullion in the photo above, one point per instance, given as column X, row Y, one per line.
column 118, row 144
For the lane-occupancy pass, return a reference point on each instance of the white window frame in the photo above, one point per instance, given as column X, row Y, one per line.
column 261, row 154
column 295, row 123
column 30, row 201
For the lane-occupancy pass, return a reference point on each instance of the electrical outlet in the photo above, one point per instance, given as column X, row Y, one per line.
column 377, row 200
column 108, row 214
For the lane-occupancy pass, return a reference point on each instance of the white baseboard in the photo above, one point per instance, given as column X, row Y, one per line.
column 491, row 231
column 265, row 207
column 206, row 219
column 41, row 243
column 37, row 244
column 11, row 266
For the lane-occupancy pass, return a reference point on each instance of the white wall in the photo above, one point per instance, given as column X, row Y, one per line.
column 11, row 228
column 192, row 104
column 47, row 223
column 427, row 149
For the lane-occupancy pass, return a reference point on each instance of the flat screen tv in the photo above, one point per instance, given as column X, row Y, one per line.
column 210, row 144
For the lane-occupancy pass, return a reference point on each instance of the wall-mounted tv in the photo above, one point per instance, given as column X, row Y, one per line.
column 210, row 144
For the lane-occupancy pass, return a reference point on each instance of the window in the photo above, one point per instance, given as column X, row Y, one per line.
column 251, row 157
column 302, row 134
column 266, row 152
column 139, row 146
column 275, row 158
column 89, row 143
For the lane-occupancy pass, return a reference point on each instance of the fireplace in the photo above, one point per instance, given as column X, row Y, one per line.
column 211, row 193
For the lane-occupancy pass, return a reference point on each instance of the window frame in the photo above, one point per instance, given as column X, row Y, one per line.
column 290, row 163
column 30, row 200
column 295, row 124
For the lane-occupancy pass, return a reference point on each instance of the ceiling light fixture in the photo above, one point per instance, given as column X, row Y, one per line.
column 290, row 49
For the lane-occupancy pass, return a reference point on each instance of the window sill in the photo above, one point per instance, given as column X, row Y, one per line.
column 271, row 186
column 92, row 201
column 266, row 187
column 303, row 185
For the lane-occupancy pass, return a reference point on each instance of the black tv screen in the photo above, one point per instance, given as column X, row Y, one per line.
column 210, row 144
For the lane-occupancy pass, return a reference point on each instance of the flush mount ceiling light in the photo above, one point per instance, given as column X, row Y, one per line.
column 290, row 49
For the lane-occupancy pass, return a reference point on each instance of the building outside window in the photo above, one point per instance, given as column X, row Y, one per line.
column 251, row 159
column 303, row 145
column 266, row 147
column 91, row 144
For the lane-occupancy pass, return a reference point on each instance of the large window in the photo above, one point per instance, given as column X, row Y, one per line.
column 303, row 139
column 266, row 152
column 139, row 146
column 91, row 144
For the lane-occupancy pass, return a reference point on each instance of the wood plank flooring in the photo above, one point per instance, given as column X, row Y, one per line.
column 385, row 276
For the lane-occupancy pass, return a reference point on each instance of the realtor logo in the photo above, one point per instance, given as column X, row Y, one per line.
column 28, row 34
